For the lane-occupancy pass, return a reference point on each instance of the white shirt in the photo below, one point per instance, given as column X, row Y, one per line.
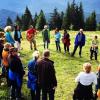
column 86, row 78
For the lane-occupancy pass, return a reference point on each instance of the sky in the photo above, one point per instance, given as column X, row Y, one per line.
column 47, row 5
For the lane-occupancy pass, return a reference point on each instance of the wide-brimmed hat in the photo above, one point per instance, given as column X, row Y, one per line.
column 7, row 28
column 45, row 26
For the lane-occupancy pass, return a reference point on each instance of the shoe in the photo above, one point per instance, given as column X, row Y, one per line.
column 18, row 99
column 12, row 98
column 71, row 55
column 80, row 56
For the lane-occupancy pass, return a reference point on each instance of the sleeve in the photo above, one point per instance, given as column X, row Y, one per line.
column 49, row 33
column 59, row 35
column 52, row 75
column 84, row 39
column 21, row 34
column 76, row 40
column 97, row 43
column 34, row 30
column 95, row 79
column 77, row 79
column 98, row 79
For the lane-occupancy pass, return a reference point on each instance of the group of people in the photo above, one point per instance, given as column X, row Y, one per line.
column 41, row 71
column 80, row 40
column 41, row 76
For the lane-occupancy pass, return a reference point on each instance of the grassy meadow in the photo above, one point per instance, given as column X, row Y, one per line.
column 66, row 67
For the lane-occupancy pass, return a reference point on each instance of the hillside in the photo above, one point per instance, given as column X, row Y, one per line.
column 4, row 14
column 14, row 7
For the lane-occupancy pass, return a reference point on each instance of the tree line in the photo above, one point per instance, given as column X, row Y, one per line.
column 72, row 19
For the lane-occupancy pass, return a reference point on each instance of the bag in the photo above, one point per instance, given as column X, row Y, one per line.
column 63, row 40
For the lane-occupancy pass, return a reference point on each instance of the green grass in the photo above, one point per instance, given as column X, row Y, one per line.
column 66, row 67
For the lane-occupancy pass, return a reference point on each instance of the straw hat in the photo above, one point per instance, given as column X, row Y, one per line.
column 7, row 28
column 45, row 26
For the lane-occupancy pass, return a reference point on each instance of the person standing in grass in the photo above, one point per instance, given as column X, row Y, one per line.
column 8, row 36
column 46, row 77
column 31, row 32
column 57, row 39
column 85, row 81
column 66, row 40
column 5, row 64
column 97, row 89
column 32, row 77
column 94, row 48
column 16, row 73
column 46, row 36
column 1, row 49
column 17, row 37
column 79, row 42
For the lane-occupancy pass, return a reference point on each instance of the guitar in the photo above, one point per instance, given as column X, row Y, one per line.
column 29, row 37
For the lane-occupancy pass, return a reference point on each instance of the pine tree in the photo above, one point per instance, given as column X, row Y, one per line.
column 18, row 21
column 55, row 21
column 67, row 20
column 87, row 24
column 62, row 17
column 74, row 16
column 81, row 16
column 91, row 24
column 9, row 22
column 35, row 20
column 26, row 19
column 41, row 21
column 94, row 23
column 98, row 26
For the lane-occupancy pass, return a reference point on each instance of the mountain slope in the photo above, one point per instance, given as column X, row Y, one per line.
column 4, row 14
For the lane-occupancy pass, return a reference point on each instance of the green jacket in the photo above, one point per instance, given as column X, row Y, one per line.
column 46, row 35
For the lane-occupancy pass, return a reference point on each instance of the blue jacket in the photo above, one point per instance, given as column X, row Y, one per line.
column 32, row 78
column 15, row 77
column 80, row 43
column 57, row 36
column 9, row 38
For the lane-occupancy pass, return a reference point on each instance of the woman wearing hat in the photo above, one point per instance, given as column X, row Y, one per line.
column 32, row 78
column 8, row 36
column 46, row 36
column 16, row 73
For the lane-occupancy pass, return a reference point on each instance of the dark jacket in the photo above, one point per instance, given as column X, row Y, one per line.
column 1, row 49
column 46, row 35
column 46, row 74
column 17, row 36
column 16, row 70
column 98, row 80
column 80, row 43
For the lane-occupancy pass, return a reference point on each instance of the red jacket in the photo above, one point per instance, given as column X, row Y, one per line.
column 30, row 33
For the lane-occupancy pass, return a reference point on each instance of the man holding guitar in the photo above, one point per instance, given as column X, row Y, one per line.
column 31, row 32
